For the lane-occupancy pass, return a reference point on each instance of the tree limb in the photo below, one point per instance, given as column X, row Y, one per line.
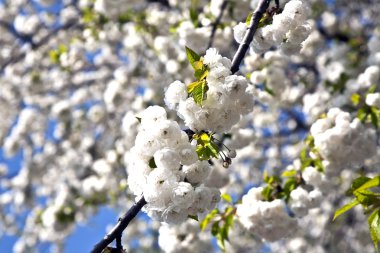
column 248, row 37
column 120, row 226
column 217, row 22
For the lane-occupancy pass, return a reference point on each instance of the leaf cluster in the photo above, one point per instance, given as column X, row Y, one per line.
column 220, row 222
column 365, row 193
column 206, row 147
column 197, row 89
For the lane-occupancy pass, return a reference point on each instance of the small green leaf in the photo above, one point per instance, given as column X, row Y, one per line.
column 220, row 240
column 191, row 87
column 267, row 193
column 201, row 73
column 199, row 92
column 54, row 56
column 208, row 219
column 362, row 114
column 265, row 20
column 368, row 193
column 215, row 228
column 355, row 99
column 289, row 186
column 289, row 173
column 226, row 197
column 309, row 141
column 213, row 149
column 193, row 57
column 249, row 18
column 372, row 89
column 365, row 199
column 357, row 183
column 374, row 117
column 370, row 184
column 345, row 208
column 269, row 90
column 374, row 228
column 194, row 16
column 266, row 176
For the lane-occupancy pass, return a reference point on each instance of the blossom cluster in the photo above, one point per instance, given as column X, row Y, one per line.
column 287, row 31
column 228, row 97
column 163, row 167
column 343, row 143
column 269, row 220
column 184, row 238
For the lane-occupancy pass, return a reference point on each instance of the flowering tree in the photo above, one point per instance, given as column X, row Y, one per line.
column 252, row 123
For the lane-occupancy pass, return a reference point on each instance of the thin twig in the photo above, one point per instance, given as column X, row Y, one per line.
column 120, row 226
column 217, row 22
column 248, row 37
column 119, row 246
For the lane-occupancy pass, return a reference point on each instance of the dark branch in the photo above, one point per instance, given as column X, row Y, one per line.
column 43, row 41
column 216, row 23
column 119, row 246
column 120, row 226
column 248, row 37
column 163, row 2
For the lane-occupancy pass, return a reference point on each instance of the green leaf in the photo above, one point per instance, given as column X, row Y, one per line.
column 214, row 149
column 289, row 173
column 267, row 193
column 249, row 18
column 309, row 141
column 269, row 90
column 345, row 208
column 266, row 176
column 362, row 114
column 319, row 165
column 193, row 57
column 226, row 197
column 199, row 92
column 205, row 152
column 265, row 20
column 289, row 186
column 208, row 219
column 357, row 183
column 202, row 72
column 54, row 56
column 365, row 199
column 194, row 16
column 368, row 193
column 374, row 228
column 370, row 184
column 355, row 99
column 191, row 87
column 88, row 15
column 372, row 89
column 215, row 228
column 374, row 117
column 220, row 240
